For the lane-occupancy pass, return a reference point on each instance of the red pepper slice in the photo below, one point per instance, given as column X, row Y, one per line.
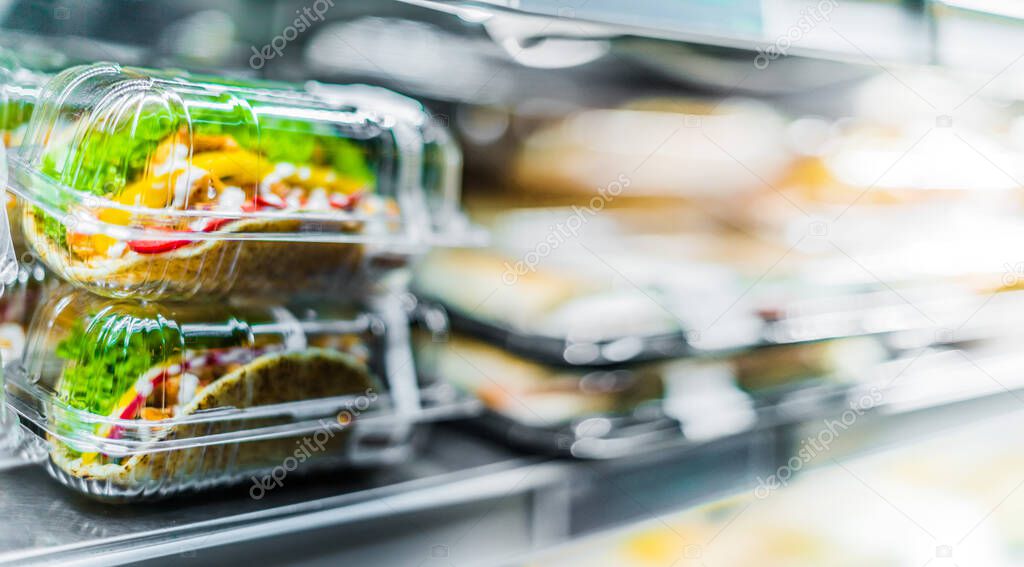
column 345, row 202
column 132, row 409
column 216, row 224
column 156, row 246
column 270, row 201
column 337, row 200
column 159, row 246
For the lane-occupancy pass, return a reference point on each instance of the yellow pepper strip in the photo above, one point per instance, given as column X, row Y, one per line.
column 239, row 167
column 320, row 176
column 151, row 192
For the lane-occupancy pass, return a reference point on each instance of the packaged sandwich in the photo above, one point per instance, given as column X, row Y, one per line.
column 568, row 286
column 614, row 411
column 160, row 185
column 22, row 287
column 18, row 303
column 19, row 89
column 139, row 399
column 608, row 294
column 535, row 394
column 664, row 147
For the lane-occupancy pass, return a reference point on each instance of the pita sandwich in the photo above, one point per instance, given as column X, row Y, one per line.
column 273, row 378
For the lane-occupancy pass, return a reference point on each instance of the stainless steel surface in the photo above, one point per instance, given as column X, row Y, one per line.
column 45, row 522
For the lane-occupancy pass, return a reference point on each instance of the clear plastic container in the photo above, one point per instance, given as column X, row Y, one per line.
column 441, row 176
column 595, row 413
column 8, row 426
column 19, row 89
column 137, row 399
column 18, row 303
column 163, row 186
column 613, row 411
column 532, row 394
column 21, row 287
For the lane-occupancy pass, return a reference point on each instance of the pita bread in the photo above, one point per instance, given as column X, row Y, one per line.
column 270, row 379
column 211, row 267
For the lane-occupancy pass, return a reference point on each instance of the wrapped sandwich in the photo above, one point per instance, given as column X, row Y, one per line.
column 155, row 185
column 152, row 399
column 535, row 394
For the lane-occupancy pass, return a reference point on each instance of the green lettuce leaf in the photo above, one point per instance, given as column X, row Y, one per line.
column 108, row 156
column 107, row 355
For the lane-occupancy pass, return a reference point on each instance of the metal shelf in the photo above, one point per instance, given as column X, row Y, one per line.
column 464, row 500
column 975, row 35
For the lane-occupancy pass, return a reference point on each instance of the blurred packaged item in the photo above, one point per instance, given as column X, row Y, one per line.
column 685, row 148
column 912, row 183
column 532, row 393
column 607, row 412
column 22, row 286
column 918, row 180
column 587, row 292
column 558, row 315
column 651, row 337
column 910, row 173
column 19, row 91
column 615, row 291
column 18, row 304
column 135, row 400
column 159, row 185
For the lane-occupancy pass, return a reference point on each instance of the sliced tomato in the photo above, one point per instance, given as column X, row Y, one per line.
column 336, row 200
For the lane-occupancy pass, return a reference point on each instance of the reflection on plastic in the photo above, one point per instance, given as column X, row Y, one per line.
column 8, row 260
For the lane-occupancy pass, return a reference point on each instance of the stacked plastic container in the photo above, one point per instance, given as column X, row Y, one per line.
column 23, row 285
column 237, row 254
column 19, row 89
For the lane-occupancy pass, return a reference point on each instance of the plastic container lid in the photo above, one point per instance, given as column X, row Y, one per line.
column 441, row 176
column 8, row 258
column 110, row 384
column 138, row 179
column 19, row 90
